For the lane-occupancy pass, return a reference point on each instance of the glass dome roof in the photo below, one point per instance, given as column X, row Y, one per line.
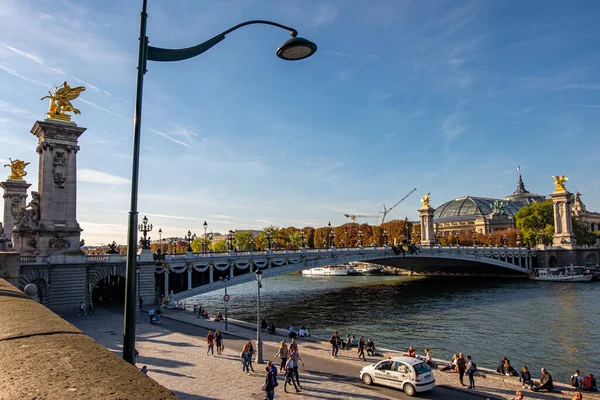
column 473, row 207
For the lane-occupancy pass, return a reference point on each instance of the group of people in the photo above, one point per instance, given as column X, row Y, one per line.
column 86, row 311
column 361, row 346
column 269, row 327
column 200, row 312
column 463, row 365
column 211, row 340
column 587, row 383
column 302, row 332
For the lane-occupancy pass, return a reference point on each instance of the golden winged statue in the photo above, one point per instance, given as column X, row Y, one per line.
column 425, row 200
column 17, row 169
column 559, row 182
column 60, row 102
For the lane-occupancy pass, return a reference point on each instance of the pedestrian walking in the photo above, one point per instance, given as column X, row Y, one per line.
column 90, row 308
column 151, row 313
column 251, row 351
column 82, row 308
column 273, row 369
column 361, row 348
column 293, row 345
column 289, row 374
column 461, row 367
column 282, row 353
column 210, row 342
column 268, row 386
column 219, row 342
column 471, row 369
column 335, row 344
column 245, row 356
column 295, row 358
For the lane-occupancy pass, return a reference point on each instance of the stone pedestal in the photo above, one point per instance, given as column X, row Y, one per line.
column 50, row 224
column 427, row 231
column 563, row 226
column 15, row 194
column 10, row 266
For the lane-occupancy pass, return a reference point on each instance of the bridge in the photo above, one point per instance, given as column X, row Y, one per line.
column 65, row 280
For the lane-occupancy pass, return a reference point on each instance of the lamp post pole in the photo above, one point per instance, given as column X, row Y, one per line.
column 259, row 349
column 360, row 238
column 205, row 225
column 226, row 279
column 295, row 48
column 160, row 239
column 385, row 235
column 329, row 232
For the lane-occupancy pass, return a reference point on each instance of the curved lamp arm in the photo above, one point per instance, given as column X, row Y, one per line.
column 160, row 54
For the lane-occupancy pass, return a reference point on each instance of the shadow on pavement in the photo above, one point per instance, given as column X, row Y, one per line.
column 163, row 362
column 162, row 371
column 178, row 344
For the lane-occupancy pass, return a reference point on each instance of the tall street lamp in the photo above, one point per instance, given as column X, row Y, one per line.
column 160, row 239
column 144, row 227
column 189, row 238
column 385, row 236
column 360, row 238
column 259, row 349
column 295, row 48
column 329, row 236
column 269, row 240
column 303, row 237
column 226, row 297
column 205, row 225
column 474, row 237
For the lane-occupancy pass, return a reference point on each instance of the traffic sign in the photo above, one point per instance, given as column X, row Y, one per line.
column 226, row 297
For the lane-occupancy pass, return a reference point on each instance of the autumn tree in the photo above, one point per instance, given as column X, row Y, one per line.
column 219, row 246
column 243, row 240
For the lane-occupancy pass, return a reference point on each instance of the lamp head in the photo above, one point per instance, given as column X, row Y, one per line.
column 160, row 231
column 296, row 48
column 145, row 220
column 205, row 225
column 258, row 273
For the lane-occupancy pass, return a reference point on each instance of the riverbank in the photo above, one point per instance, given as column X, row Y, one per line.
column 489, row 384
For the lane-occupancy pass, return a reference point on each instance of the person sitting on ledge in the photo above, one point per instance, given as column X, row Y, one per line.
column 411, row 352
column 205, row 314
column 271, row 328
column 545, row 382
column 589, row 383
column 219, row 317
column 452, row 365
column 263, row 324
column 303, row 332
column 370, row 347
column 501, row 365
column 508, row 369
column 292, row 332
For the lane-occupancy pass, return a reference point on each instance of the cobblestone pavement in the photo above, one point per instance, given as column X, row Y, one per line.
column 489, row 384
column 175, row 354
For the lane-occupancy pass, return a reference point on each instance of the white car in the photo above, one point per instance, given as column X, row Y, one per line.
column 407, row 373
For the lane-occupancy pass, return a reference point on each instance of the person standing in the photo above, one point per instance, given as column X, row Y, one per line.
column 282, row 353
column 461, row 367
column 471, row 369
column 361, row 348
column 289, row 374
column 82, row 308
column 151, row 313
column 219, row 342
column 91, row 308
column 269, row 386
column 273, row 369
column 293, row 345
column 245, row 356
column 210, row 342
column 251, row 351
column 295, row 358
column 335, row 344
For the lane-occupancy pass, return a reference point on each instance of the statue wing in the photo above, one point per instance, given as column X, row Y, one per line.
column 555, row 177
column 73, row 93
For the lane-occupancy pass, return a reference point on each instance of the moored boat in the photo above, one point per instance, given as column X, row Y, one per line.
column 564, row 274
column 330, row 270
column 364, row 269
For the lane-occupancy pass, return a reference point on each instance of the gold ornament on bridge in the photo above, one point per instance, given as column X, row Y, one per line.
column 559, row 183
column 17, row 169
column 60, row 102
column 425, row 200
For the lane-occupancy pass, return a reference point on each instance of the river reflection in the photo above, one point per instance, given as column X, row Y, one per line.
column 538, row 324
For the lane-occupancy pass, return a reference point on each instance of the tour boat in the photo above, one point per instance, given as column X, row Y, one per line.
column 330, row 270
column 564, row 274
column 364, row 269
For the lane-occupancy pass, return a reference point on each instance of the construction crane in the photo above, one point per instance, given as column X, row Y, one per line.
column 387, row 210
column 353, row 216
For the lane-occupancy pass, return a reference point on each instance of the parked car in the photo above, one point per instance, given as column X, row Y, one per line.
column 411, row 375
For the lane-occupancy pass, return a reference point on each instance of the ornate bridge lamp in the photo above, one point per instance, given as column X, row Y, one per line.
column 407, row 229
column 225, row 280
column 144, row 227
column 295, row 48
column 385, row 237
column 303, row 237
column 190, row 238
column 474, row 237
column 205, row 225
column 505, row 240
column 360, row 238
column 324, row 243
column 269, row 240
column 160, row 239
column 518, row 240
column 331, row 239
column 490, row 238
column 230, row 240
column 259, row 344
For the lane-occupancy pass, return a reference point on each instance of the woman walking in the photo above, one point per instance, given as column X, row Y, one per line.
column 471, row 369
column 269, row 384
column 289, row 374
column 361, row 348
column 245, row 356
column 282, row 353
column 251, row 351
column 219, row 341
column 210, row 341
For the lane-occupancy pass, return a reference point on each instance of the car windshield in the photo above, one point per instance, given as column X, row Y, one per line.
column 421, row 368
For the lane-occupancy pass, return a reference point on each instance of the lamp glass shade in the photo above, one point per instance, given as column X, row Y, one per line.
column 296, row 48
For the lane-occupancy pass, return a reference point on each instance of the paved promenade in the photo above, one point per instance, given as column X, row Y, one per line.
column 175, row 354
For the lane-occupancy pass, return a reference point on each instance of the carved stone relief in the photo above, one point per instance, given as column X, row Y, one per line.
column 59, row 243
column 59, row 170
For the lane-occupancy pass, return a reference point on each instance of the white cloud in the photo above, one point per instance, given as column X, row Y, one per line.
column 452, row 126
column 93, row 176
column 100, row 108
column 221, row 216
column 23, row 77
column 32, row 57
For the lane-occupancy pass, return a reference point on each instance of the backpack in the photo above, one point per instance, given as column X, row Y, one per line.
column 333, row 339
column 473, row 366
column 574, row 381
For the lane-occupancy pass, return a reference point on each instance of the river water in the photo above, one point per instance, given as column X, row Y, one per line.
column 537, row 324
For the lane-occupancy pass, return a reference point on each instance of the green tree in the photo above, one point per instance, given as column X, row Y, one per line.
column 536, row 223
column 199, row 243
column 242, row 240
column 219, row 246
column 261, row 241
column 582, row 235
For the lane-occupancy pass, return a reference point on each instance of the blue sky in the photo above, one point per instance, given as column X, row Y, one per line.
column 445, row 96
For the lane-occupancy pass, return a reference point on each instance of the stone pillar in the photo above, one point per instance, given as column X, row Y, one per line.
column 58, row 228
column 563, row 226
column 427, row 231
column 10, row 267
column 166, row 281
column 211, row 278
column 15, row 194
column 189, row 280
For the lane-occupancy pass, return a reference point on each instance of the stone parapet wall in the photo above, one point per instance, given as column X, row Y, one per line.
column 48, row 358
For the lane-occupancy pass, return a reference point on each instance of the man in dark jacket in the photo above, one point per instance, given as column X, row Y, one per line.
column 545, row 382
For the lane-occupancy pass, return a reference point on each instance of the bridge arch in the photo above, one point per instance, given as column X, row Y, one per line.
column 591, row 260
column 106, row 283
column 39, row 277
column 553, row 262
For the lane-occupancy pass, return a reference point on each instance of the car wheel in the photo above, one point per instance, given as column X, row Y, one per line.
column 367, row 379
column 409, row 389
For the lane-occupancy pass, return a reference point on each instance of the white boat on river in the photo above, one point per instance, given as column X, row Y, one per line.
column 564, row 274
column 330, row 270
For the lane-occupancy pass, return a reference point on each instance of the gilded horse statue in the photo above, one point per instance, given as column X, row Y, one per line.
column 17, row 169
column 60, row 101
column 559, row 182
column 425, row 200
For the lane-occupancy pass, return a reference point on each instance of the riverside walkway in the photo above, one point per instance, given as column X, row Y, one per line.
column 175, row 354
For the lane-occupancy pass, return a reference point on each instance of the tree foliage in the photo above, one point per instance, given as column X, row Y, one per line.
column 536, row 223
column 243, row 240
column 219, row 246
